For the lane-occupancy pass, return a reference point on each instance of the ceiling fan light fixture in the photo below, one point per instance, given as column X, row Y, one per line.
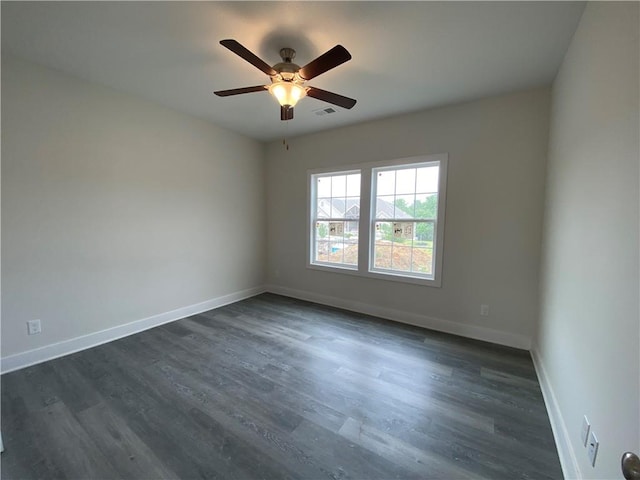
column 287, row 93
column 288, row 79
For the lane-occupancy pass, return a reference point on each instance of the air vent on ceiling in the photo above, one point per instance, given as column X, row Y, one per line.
column 325, row 111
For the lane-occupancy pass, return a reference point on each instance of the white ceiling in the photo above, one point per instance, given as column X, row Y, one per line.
column 407, row 56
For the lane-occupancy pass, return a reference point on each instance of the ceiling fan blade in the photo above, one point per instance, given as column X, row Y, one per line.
column 330, row 97
column 286, row 113
column 325, row 62
column 241, row 51
column 238, row 91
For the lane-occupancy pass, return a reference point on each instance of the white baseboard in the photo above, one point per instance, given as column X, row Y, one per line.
column 55, row 350
column 470, row 331
column 568, row 459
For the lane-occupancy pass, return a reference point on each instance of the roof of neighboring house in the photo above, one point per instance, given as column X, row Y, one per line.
column 350, row 208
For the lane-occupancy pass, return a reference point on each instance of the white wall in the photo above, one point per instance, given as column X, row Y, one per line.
column 497, row 151
column 115, row 209
column 587, row 343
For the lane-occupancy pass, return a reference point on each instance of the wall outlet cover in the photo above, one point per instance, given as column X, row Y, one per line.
column 33, row 327
column 484, row 310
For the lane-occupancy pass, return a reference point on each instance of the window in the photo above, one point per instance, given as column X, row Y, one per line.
column 336, row 218
column 390, row 215
column 405, row 212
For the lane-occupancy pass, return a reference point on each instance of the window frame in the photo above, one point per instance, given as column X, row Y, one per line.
column 366, row 227
column 373, row 220
column 311, row 231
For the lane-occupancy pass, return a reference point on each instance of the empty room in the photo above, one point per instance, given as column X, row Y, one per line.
column 309, row 240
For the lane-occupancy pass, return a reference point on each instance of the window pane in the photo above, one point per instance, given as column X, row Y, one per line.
column 353, row 185
column 322, row 231
column 323, row 208
column 386, row 182
column 351, row 243
column 384, row 231
column 424, row 234
column 403, row 232
column 353, row 207
column 421, row 261
column 323, row 187
column 337, row 207
column 351, row 231
column 401, row 257
column 382, row 255
column 406, row 181
column 427, row 180
column 338, row 186
column 351, row 256
column 385, row 207
column 335, row 252
column 427, row 206
column 404, row 206
column 321, row 251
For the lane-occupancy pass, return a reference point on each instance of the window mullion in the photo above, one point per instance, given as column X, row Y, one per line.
column 364, row 225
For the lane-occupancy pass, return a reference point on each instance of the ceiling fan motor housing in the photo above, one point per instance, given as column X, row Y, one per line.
column 287, row 54
column 287, row 69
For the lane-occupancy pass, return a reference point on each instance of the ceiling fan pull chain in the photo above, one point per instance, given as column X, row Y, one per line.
column 284, row 138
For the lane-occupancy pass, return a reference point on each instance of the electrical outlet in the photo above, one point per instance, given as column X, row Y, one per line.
column 584, row 434
column 484, row 310
column 592, row 448
column 33, row 327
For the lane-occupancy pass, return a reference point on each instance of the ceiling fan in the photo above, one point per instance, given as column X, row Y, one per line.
column 288, row 79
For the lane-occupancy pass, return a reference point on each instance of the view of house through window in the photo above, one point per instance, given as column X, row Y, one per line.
column 337, row 217
column 405, row 218
column 406, row 210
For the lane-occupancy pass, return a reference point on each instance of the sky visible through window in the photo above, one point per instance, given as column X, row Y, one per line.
column 336, row 186
column 409, row 185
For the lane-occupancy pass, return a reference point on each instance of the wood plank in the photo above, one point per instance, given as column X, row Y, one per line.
column 71, row 447
column 428, row 404
column 273, row 387
column 346, row 459
column 424, row 463
column 129, row 455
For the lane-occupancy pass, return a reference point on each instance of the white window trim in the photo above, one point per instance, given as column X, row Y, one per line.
column 312, row 208
column 367, row 222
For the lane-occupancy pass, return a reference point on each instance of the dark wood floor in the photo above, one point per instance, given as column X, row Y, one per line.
column 273, row 387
